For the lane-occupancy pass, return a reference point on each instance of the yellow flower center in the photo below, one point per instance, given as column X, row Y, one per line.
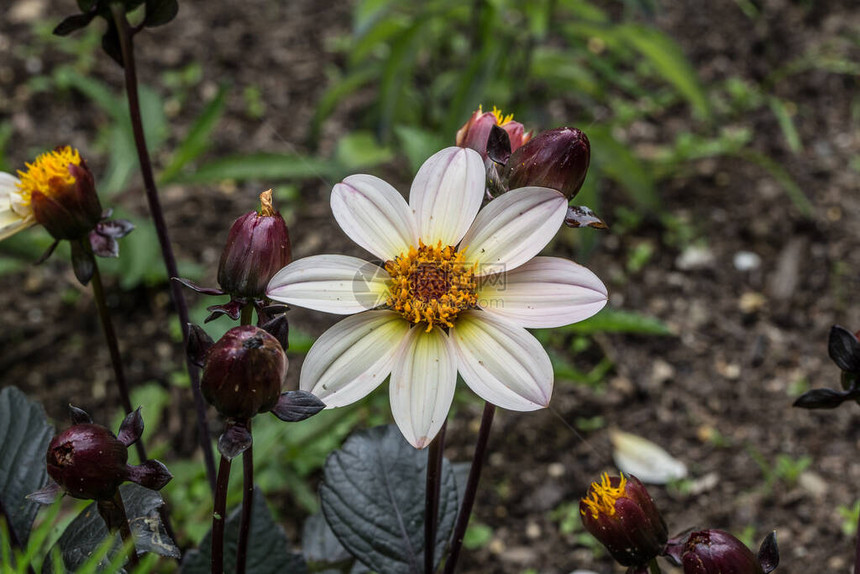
column 502, row 119
column 431, row 284
column 49, row 172
column 601, row 497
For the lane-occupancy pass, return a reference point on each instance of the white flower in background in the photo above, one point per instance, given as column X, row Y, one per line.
column 456, row 292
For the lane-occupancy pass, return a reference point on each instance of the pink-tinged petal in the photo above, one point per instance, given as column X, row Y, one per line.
column 331, row 283
column 545, row 292
column 422, row 385
column 513, row 228
column 502, row 362
column 446, row 194
column 353, row 357
column 374, row 215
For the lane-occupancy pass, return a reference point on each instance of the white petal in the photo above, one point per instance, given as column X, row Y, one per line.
column 513, row 228
column 353, row 357
column 332, row 283
column 422, row 385
column 11, row 222
column 374, row 215
column 644, row 459
column 446, row 194
column 545, row 292
column 502, row 362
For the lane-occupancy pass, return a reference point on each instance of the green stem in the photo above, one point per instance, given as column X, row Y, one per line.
column 654, row 567
column 126, row 34
column 247, row 315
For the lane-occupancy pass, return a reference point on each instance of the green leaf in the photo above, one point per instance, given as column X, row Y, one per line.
column 670, row 62
column 618, row 163
column 198, row 139
column 268, row 547
column 615, row 321
column 361, row 150
column 24, row 437
column 781, row 175
column 262, row 166
column 786, row 124
column 372, row 496
column 340, row 89
column 88, row 531
column 417, row 144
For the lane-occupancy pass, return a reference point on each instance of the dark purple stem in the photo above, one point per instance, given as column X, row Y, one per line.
column 247, row 506
column 431, row 497
column 113, row 347
column 471, row 487
column 219, row 516
column 127, row 46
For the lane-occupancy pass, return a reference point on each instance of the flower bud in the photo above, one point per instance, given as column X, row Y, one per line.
column 718, row 552
column 476, row 131
column 258, row 246
column 620, row 513
column 243, row 373
column 557, row 159
column 58, row 189
column 88, row 461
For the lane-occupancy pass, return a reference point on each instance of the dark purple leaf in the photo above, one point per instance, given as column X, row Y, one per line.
column 233, row 309
column 79, row 416
column 131, row 428
column 197, row 288
column 844, row 349
column 199, row 343
column 73, row 23
column 83, row 263
column 294, row 406
column 277, row 326
column 581, row 216
column 234, row 441
column 160, row 12
column 768, row 553
column 102, row 245
column 111, row 45
column 152, row 474
column 48, row 252
column 821, row 399
column 498, row 145
column 116, row 228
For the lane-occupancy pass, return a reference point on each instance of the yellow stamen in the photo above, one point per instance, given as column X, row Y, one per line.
column 431, row 285
column 502, row 119
column 602, row 497
column 49, row 172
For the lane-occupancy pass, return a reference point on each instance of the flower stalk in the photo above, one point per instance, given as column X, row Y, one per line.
column 219, row 515
column 431, row 497
column 471, row 487
column 113, row 347
column 247, row 506
column 126, row 34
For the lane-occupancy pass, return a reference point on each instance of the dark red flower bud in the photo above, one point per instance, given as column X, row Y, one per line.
column 620, row 513
column 718, row 552
column 475, row 132
column 244, row 372
column 88, row 461
column 258, row 247
column 557, row 159
column 58, row 188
